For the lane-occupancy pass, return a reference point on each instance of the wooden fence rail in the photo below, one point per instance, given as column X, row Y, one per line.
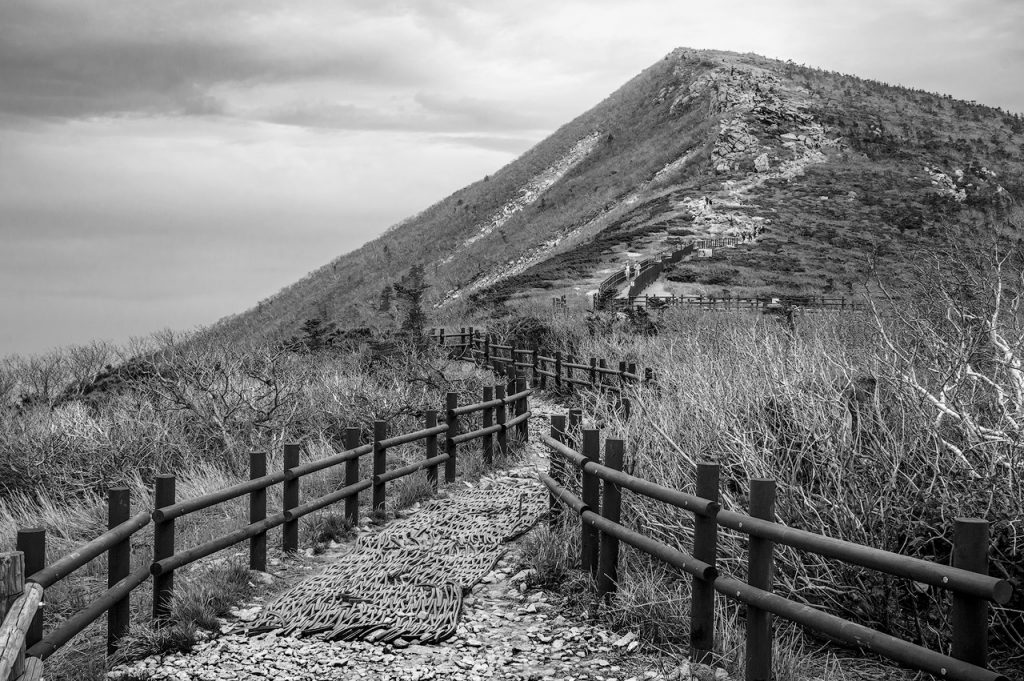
column 480, row 347
column 968, row 580
column 21, row 623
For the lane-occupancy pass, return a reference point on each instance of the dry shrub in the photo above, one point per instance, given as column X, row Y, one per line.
column 854, row 450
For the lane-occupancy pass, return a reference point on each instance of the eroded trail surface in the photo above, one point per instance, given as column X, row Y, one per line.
column 438, row 594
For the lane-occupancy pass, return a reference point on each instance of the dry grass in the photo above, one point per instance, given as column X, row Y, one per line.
column 742, row 391
column 199, row 416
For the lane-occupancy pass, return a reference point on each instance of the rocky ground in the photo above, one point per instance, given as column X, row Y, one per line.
column 507, row 630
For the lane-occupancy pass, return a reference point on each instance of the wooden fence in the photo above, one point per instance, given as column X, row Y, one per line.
column 730, row 303
column 648, row 270
column 601, row 531
column 24, row 576
column 541, row 370
column 599, row 512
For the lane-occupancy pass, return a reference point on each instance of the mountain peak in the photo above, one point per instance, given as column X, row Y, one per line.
column 827, row 170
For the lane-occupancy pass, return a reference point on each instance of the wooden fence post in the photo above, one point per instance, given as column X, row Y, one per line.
column 440, row 337
column 543, row 377
column 450, row 468
column 32, row 543
column 119, row 563
column 499, row 417
column 593, row 372
column 487, row 350
column 556, row 468
column 431, row 422
column 558, row 369
column 380, row 464
column 759, row 574
column 469, row 343
column 608, row 556
column 705, row 548
column 290, row 497
column 352, row 476
column 522, row 406
column 534, row 376
column 970, row 614
column 258, row 512
column 591, row 495
column 573, row 428
column 488, row 421
column 163, row 547
column 12, row 586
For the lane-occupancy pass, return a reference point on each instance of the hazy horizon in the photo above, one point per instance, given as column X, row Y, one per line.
column 167, row 165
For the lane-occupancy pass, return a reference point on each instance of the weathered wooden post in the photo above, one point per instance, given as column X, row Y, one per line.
column 543, row 377
column 608, row 557
column 163, row 547
column 487, row 350
column 12, row 586
column 290, row 498
column 499, row 417
column 440, row 337
column 32, row 544
column 705, row 548
column 759, row 574
column 452, row 419
column 258, row 512
column 573, row 428
column 557, row 467
column 592, row 377
column 352, row 476
column 431, row 422
column 522, row 406
column 380, row 464
column 558, row 369
column 969, row 613
column 591, row 496
column 119, row 563
column 488, row 421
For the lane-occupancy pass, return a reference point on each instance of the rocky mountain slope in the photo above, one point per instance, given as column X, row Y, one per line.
column 830, row 171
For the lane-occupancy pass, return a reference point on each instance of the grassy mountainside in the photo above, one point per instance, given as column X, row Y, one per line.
column 831, row 170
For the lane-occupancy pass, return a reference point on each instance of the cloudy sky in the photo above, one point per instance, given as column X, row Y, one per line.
column 167, row 162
